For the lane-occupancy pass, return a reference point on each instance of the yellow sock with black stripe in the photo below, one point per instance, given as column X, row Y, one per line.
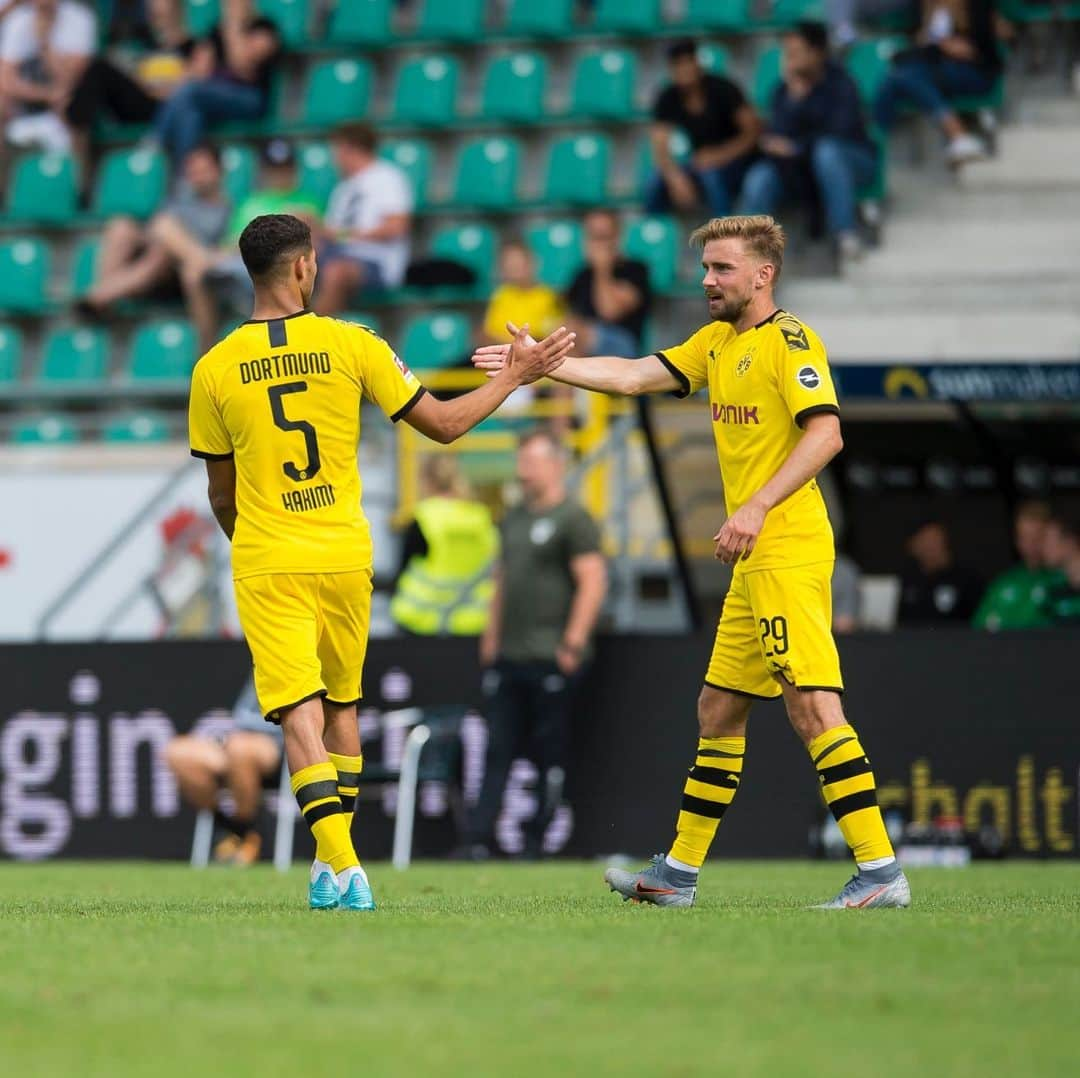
column 315, row 788
column 348, row 782
column 709, row 789
column 847, row 784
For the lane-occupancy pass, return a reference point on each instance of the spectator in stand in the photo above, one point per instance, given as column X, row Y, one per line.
column 721, row 126
column 1014, row 600
column 816, row 149
column 231, row 75
column 608, row 297
column 933, row 588
column 955, row 55
column 45, row 46
column 132, row 93
column 213, row 276
column 1060, row 603
column 364, row 245
column 844, row 16
column 238, row 764
column 138, row 260
column 846, row 600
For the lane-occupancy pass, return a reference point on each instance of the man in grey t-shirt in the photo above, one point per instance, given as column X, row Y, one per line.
column 551, row 581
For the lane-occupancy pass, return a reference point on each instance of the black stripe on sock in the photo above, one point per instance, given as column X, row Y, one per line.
column 835, row 745
column 348, row 802
column 852, row 803
column 348, row 778
column 720, row 752
column 276, row 330
column 316, row 791
column 714, row 776
column 320, row 812
column 859, row 766
column 712, row 810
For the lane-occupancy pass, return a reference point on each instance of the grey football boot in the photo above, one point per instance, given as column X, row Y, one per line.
column 873, row 889
column 658, row 883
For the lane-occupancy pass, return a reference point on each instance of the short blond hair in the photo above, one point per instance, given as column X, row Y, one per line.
column 760, row 232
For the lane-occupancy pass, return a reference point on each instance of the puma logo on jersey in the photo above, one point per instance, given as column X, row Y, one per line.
column 794, row 335
column 735, row 413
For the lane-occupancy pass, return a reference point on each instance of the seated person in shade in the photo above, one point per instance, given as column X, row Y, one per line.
column 213, row 276
column 1014, row 599
column 955, row 55
column 237, row 764
column 608, row 297
column 139, row 259
column 1060, row 602
column 721, row 126
column 816, row 149
column 933, row 588
column 364, row 243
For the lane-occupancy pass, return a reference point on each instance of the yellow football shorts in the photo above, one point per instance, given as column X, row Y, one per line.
column 776, row 623
column 308, row 635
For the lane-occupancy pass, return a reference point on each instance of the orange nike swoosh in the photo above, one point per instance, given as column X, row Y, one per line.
column 653, row 890
column 870, row 897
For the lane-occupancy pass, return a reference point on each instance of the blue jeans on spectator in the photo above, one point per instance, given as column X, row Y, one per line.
column 928, row 85
column 718, row 186
column 181, row 121
column 838, row 167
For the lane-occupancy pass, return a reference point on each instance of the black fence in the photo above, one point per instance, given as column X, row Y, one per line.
column 986, row 728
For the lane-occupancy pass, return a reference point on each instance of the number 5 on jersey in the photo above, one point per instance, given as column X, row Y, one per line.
column 282, row 422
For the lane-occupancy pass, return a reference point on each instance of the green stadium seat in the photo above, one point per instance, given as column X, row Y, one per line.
column 603, row 86
column 84, row 266
column 44, row 430
column 451, row 20
column 80, row 354
column 291, row 17
column 130, row 182
column 11, row 353
column 162, row 350
column 361, row 22
column 790, row 12
column 438, row 340
column 471, row 245
column 241, row 169
column 766, row 76
column 317, row 174
column 679, row 145
column 44, row 189
column 362, row 318
column 549, row 18
column 868, row 63
column 578, row 170
column 514, row 88
column 136, row 427
column 487, row 173
column 655, row 241
column 24, row 268
column 426, row 91
column 628, row 16
column 413, row 157
column 202, row 16
column 558, row 249
column 714, row 58
column 717, row 15
column 337, row 90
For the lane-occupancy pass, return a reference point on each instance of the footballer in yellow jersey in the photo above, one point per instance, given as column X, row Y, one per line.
column 776, row 425
column 275, row 413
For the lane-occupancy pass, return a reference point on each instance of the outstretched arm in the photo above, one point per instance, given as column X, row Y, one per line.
column 820, row 442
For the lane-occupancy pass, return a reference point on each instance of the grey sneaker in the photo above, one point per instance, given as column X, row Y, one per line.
column 658, row 884
column 864, row 892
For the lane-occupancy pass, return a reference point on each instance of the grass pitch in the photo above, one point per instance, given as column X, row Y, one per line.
column 139, row 969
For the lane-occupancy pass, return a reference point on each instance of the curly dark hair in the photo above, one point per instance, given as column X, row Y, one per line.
column 272, row 239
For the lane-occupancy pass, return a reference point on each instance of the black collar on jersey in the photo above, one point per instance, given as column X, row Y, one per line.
column 766, row 321
column 281, row 318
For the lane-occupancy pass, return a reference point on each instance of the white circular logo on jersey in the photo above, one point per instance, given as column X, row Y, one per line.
column 541, row 531
column 808, row 378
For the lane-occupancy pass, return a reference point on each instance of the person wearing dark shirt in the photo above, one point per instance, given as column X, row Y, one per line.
column 955, row 55
column 609, row 296
column 232, row 72
column 722, row 129
column 933, row 588
column 816, row 148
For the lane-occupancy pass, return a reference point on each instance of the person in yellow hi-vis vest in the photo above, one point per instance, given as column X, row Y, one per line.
column 445, row 583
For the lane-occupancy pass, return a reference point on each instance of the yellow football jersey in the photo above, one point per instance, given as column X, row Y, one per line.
column 763, row 384
column 283, row 397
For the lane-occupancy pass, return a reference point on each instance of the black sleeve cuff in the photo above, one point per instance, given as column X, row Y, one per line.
column 817, row 409
column 684, row 382
column 409, row 405
column 211, row 456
